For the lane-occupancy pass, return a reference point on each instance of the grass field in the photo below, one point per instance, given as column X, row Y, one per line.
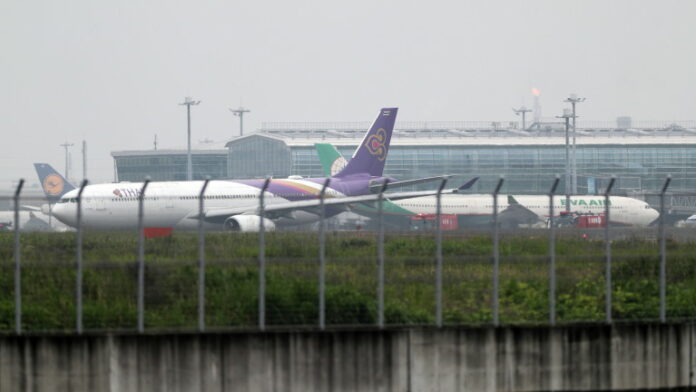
column 110, row 276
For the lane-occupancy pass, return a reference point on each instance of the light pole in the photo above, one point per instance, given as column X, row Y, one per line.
column 84, row 160
column 66, row 145
column 566, row 116
column 523, row 111
column 573, row 99
column 188, row 101
column 239, row 112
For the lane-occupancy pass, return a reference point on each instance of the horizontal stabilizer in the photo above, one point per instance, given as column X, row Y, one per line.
column 468, row 184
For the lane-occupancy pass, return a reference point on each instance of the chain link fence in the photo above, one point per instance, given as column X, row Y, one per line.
column 58, row 278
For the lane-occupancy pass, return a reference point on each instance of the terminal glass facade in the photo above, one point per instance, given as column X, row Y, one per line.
column 259, row 157
column 170, row 167
column 527, row 169
column 532, row 169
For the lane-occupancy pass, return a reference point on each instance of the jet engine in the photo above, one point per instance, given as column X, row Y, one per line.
column 247, row 223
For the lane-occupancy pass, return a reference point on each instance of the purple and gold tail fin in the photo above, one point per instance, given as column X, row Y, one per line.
column 371, row 154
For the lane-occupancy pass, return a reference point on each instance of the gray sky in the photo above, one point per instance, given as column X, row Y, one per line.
column 113, row 73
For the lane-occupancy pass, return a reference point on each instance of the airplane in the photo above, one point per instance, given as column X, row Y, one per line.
column 234, row 204
column 54, row 185
column 28, row 221
column 32, row 218
column 475, row 210
column 688, row 222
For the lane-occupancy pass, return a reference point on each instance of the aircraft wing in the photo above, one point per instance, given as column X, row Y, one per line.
column 313, row 204
column 376, row 186
column 516, row 214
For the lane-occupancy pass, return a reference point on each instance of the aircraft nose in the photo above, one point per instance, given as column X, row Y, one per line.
column 653, row 217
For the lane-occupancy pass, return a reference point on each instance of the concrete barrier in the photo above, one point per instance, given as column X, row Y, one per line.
column 570, row 358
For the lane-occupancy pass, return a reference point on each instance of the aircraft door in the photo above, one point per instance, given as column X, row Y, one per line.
column 99, row 204
column 168, row 202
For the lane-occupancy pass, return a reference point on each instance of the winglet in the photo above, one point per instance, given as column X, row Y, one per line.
column 468, row 184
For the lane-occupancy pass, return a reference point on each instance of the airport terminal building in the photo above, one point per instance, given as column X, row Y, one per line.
column 640, row 156
column 170, row 165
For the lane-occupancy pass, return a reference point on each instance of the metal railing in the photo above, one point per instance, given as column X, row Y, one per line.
column 340, row 287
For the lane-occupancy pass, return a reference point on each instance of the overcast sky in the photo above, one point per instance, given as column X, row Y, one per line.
column 112, row 73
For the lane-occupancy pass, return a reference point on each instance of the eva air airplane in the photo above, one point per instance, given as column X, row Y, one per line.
column 475, row 209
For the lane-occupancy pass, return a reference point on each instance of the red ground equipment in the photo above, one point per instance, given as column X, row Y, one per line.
column 427, row 222
column 591, row 221
column 581, row 220
column 155, row 232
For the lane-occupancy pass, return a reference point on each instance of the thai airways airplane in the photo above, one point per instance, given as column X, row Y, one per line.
column 234, row 204
column 476, row 209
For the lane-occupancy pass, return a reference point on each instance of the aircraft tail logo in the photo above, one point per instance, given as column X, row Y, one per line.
column 375, row 144
column 53, row 183
column 371, row 154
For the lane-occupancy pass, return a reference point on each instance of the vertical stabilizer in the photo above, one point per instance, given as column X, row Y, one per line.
column 371, row 154
column 53, row 183
column 332, row 162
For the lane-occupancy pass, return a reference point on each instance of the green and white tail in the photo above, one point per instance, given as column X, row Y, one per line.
column 332, row 162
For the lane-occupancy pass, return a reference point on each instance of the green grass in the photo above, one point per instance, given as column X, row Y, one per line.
column 110, row 276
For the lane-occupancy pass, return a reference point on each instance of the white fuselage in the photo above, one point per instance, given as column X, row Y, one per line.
column 622, row 210
column 689, row 222
column 171, row 204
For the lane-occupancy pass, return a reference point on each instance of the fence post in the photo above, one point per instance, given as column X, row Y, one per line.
column 496, row 254
column 607, row 253
column 262, row 257
column 322, row 255
column 663, row 253
column 78, row 283
column 380, row 255
column 552, row 255
column 201, row 256
column 438, row 255
column 17, row 257
column 141, row 257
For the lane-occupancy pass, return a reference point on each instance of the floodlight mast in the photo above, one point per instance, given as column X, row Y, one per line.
column 188, row 101
column 574, row 99
column 566, row 116
column 66, row 145
column 84, row 160
column 239, row 112
column 523, row 111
